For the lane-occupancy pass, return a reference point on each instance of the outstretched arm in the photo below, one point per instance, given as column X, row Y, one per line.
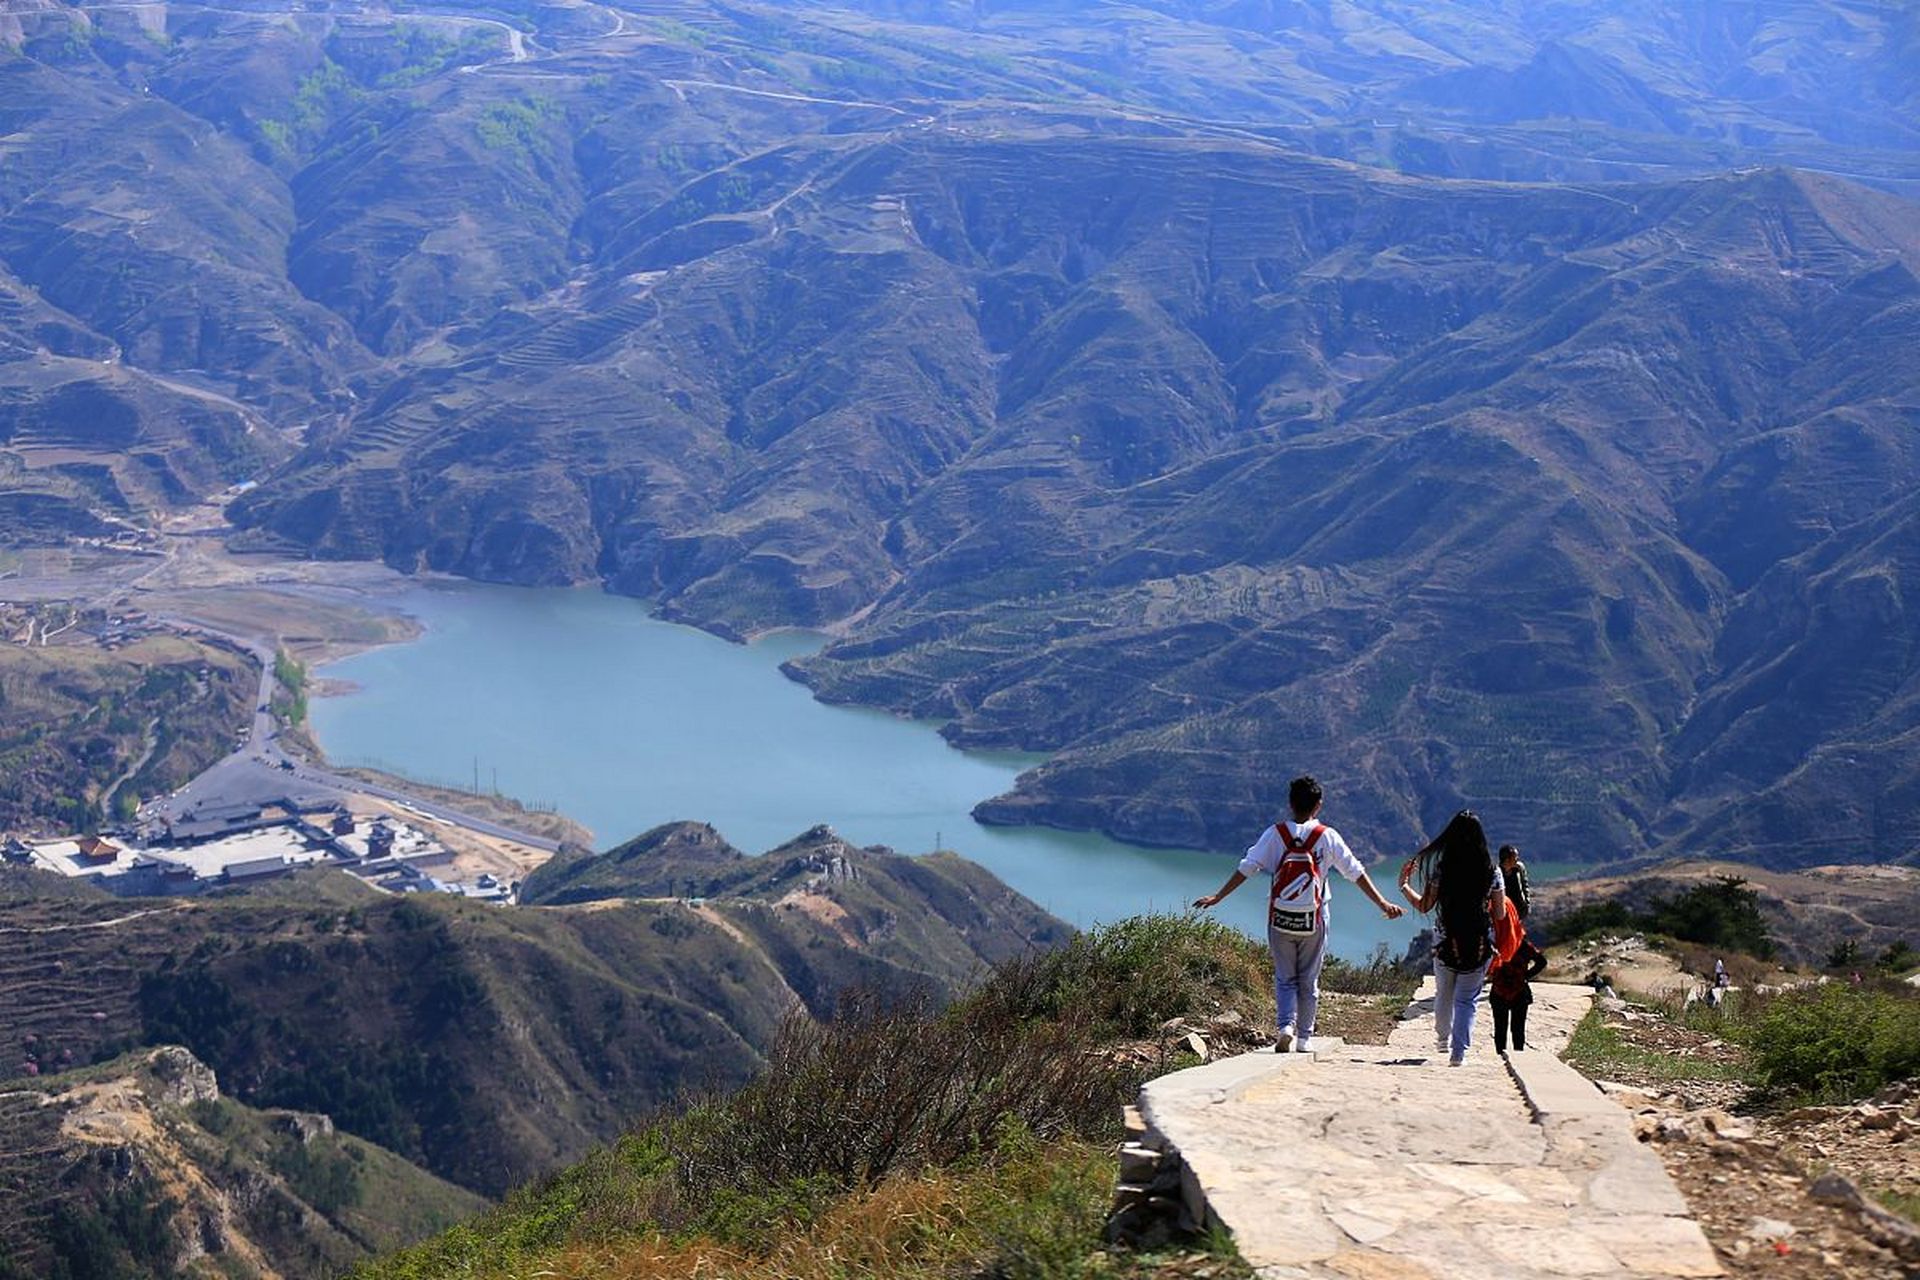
column 1373, row 895
column 1234, row 881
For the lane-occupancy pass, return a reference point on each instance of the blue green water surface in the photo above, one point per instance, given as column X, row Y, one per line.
column 584, row 701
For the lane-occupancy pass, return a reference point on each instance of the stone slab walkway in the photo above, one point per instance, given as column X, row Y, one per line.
column 1380, row 1161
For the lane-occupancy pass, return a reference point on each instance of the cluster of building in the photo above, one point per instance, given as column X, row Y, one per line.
column 243, row 844
column 33, row 625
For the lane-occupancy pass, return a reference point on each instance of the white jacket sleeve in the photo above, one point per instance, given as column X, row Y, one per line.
column 1263, row 855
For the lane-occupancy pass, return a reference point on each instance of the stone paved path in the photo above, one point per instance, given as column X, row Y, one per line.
column 1369, row 1161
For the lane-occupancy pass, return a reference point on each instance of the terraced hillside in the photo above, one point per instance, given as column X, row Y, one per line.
column 1446, row 489
column 1470, row 402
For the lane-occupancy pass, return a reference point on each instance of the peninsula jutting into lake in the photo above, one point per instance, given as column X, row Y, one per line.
column 621, row 721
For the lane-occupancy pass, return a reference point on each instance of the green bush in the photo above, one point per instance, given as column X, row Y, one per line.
column 291, row 702
column 1834, row 1042
column 326, row 1178
column 1723, row 913
column 122, row 1235
column 1130, row 977
column 1589, row 918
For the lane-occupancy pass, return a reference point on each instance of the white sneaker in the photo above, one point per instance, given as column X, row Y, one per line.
column 1284, row 1042
column 1303, row 1045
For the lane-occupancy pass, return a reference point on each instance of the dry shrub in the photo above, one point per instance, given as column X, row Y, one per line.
column 1380, row 974
column 1124, row 980
column 897, row 1084
column 842, row 1157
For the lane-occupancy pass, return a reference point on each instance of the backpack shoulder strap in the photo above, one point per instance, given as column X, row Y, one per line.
column 1309, row 842
column 1302, row 843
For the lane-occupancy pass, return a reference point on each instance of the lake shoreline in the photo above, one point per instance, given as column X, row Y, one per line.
column 622, row 720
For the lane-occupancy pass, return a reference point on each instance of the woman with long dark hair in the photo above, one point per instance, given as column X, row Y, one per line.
column 1460, row 884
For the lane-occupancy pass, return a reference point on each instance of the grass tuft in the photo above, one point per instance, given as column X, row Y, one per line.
column 1124, row 980
column 1596, row 1049
column 1904, row 1203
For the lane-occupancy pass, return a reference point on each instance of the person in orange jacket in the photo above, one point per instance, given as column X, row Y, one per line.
column 1509, row 994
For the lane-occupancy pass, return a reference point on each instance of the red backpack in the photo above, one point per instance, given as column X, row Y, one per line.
column 1299, row 885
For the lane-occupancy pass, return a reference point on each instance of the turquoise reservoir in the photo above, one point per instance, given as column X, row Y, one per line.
column 584, row 701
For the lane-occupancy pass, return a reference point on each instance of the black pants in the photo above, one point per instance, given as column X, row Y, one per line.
column 1504, row 1012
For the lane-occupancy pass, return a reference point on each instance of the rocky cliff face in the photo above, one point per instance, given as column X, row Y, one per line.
column 140, row 1168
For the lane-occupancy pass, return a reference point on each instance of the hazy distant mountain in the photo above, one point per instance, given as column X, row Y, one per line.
column 1199, row 390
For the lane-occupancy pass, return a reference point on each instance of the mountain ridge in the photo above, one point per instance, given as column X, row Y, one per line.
column 1632, row 260
column 1019, row 346
column 488, row 1045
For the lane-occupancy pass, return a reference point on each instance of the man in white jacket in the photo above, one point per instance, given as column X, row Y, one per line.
column 1296, row 854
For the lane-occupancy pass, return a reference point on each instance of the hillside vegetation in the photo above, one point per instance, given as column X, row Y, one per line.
column 138, row 1169
column 899, row 1138
column 1811, row 915
column 489, row 1045
column 904, row 1139
column 1790, row 1102
column 86, row 733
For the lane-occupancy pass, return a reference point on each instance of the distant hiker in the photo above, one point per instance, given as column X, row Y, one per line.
column 1509, row 992
column 1458, row 876
column 1720, row 977
column 1513, row 874
column 1296, row 854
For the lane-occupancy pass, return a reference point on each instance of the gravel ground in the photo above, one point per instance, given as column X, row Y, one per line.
column 1749, row 1175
